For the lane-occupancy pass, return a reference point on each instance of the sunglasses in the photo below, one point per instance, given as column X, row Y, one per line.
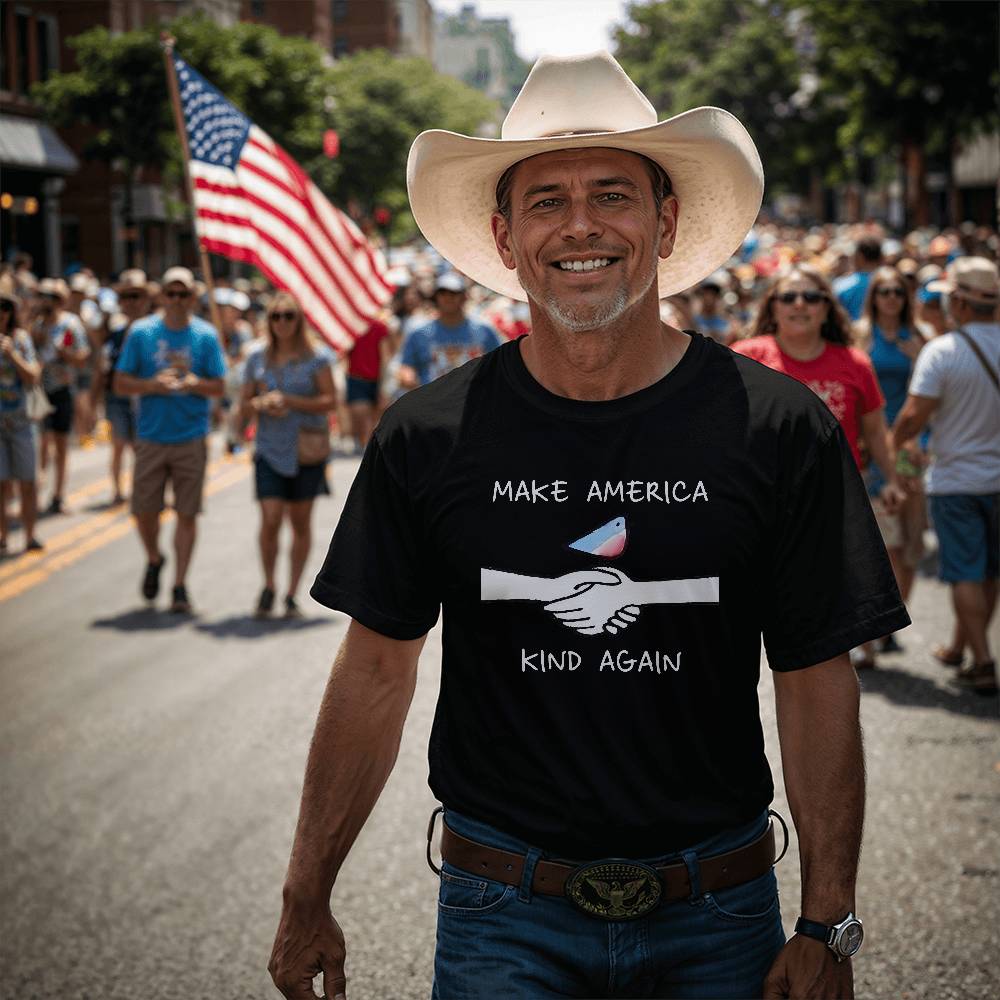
column 133, row 296
column 177, row 295
column 884, row 293
column 288, row 317
column 810, row 298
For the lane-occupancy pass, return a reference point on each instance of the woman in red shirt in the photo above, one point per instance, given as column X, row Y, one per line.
column 802, row 330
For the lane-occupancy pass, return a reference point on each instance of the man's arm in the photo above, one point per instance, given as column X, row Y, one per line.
column 912, row 418
column 210, row 388
column 353, row 751
column 822, row 757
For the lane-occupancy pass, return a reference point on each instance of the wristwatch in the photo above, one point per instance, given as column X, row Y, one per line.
column 843, row 939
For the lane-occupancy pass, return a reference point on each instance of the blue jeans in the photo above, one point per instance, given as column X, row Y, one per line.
column 496, row 940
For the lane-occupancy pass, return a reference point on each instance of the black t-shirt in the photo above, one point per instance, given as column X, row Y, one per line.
column 718, row 504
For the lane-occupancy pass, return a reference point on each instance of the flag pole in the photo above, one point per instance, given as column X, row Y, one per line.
column 167, row 41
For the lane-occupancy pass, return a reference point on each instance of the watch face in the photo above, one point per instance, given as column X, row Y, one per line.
column 850, row 939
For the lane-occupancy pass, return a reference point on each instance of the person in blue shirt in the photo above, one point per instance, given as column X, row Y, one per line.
column 888, row 329
column 447, row 342
column 852, row 288
column 173, row 362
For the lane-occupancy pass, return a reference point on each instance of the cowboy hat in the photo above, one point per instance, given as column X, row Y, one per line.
column 54, row 287
column 976, row 278
column 132, row 279
column 584, row 102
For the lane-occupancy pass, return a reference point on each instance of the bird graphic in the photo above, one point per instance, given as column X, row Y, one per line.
column 608, row 540
column 615, row 893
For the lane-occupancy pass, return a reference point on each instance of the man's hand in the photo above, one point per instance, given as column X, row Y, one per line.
column 165, row 380
column 6, row 345
column 308, row 942
column 893, row 497
column 806, row 969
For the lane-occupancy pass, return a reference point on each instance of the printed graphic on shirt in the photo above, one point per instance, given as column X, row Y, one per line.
column 178, row 359
column 608, row 540
column 834, row 394
column 596, row 601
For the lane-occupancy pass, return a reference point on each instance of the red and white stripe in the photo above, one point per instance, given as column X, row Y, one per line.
column 267, row 212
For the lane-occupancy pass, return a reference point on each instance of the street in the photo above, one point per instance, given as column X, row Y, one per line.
column 152, row 767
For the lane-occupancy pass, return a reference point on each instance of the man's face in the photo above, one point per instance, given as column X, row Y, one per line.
column 177, row 302
column 450, row 305
column 584, row 234
column 133, row 302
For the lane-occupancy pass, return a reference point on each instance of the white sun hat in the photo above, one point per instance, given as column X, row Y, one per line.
column 583, row 102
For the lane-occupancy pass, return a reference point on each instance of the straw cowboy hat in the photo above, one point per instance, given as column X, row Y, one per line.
column 578, row 103
column 974, row 277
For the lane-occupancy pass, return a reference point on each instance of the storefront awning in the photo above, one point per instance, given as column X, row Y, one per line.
column 33, row 145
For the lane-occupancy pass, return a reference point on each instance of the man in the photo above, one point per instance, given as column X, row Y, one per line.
column 63, row 349
column 710, row 320
column 447, row 341
column 852, row 288
column 611, row 512
column 174, row 364
column 955, row 387
column 134, row 295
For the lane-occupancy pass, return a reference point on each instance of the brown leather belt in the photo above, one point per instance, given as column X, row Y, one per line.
column 717, row 872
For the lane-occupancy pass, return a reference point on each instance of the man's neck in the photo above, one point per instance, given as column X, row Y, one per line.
column 176, row 323
column 452, row 321
column 607, row 363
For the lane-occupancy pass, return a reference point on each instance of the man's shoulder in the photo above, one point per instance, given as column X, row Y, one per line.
column 147, row 326
column 846, row 282
column 435, row 412
column 202, row 329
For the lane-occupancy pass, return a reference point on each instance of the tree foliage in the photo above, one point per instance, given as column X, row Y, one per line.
column 822, row 83
column 286, row 85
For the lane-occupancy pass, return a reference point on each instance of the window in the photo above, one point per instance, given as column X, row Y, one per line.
column 338, row 10
column 48, row 51
column 341, row 46
column 23, row 26
column 257, row 9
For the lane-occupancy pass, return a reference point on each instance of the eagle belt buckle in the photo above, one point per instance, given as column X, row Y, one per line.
column 614, row 889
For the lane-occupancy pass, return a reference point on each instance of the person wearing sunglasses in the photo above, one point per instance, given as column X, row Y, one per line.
column 173, row 362
column 888, row 331
column 134, row 298
column 802, row 330
column 19, row 372
column 288, row 389
column 63, row 349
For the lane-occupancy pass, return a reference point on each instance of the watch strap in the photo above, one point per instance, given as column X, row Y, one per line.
column 810, row 928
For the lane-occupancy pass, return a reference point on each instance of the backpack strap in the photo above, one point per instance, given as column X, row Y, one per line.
column 982, row 358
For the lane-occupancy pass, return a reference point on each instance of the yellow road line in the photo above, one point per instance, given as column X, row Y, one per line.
column 94, row 523
column 41, row 569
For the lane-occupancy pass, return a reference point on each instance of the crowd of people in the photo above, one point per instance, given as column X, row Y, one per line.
column 856, row 314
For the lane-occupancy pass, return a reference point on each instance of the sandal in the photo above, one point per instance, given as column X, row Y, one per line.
column 265, row 603
column 946, row 656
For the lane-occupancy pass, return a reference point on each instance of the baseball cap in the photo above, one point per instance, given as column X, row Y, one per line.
column 449, row 282
column 180, row 276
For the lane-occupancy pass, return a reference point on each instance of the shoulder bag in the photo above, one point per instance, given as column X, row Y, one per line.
column 982, row 358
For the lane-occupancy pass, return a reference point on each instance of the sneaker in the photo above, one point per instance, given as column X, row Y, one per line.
column 265, row 604
column 151, row 580
column 180, row 605
column 292, row 610
column 860, row 660
column 979, row 677
column 890, row 644
column 55, row 506
column 34, row 545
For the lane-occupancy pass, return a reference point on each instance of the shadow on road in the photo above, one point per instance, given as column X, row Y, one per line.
column 248, row 627
column 904, row 688
column 141, row 619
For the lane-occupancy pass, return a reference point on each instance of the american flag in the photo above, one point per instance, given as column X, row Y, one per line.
column 254, row 203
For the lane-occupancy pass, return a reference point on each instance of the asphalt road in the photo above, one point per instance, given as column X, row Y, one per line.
column 151, row 770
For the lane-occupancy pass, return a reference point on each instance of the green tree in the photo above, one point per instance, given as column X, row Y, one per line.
column 741, row 55
column 381, row 104
column 284, row 84
column 906, row 78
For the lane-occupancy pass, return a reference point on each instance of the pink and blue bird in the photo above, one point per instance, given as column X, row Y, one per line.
column 608, row 540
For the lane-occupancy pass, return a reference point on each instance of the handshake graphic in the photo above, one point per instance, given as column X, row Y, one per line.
column 598, row 600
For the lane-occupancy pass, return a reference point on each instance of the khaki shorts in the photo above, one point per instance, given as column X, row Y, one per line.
column 183, row 464
column 904, row 530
